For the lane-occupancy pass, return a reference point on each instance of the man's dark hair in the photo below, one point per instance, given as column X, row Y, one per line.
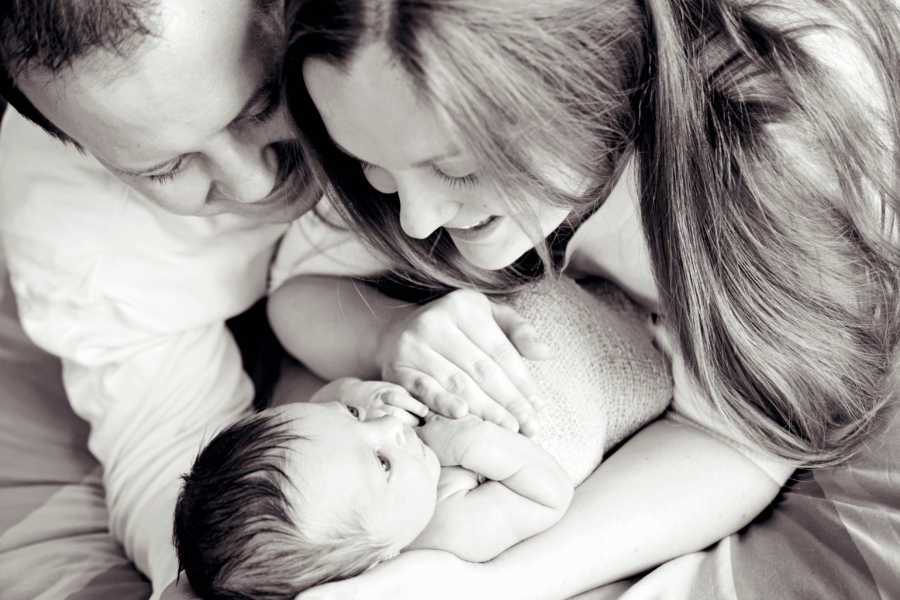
column 236, row 532
column 52, row 34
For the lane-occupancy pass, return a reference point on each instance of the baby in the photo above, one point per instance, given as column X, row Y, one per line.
column 308, row 492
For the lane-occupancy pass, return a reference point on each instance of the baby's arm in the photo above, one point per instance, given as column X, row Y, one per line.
column 526, row 492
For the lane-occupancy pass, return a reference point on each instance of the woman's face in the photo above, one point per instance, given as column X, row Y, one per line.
column 403, row 145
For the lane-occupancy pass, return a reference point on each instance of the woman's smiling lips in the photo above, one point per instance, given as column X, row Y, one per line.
column 477, row 231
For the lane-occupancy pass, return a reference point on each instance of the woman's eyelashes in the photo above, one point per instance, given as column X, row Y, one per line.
column 451, row 180
column 456, row 181
column 354, row 412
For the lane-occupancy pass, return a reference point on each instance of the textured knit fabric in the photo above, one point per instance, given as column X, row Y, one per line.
column 605, row 379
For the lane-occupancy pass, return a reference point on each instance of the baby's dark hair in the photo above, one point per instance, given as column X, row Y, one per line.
column 236, row 532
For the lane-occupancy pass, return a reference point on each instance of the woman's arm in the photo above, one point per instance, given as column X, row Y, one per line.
column 671, row 489
column 332, row 324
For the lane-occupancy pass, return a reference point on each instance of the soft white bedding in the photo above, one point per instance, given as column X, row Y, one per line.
column 54, row 543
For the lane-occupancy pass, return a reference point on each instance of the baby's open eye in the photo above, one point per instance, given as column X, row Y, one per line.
column 384, row 462
column 353, row 411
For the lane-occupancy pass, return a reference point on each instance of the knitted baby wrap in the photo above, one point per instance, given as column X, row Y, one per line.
column 605, row 379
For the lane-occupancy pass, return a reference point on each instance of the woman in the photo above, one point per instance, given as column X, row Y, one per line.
column 732, row 165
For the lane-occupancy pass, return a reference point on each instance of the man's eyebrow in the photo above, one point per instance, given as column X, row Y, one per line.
column 267, row 96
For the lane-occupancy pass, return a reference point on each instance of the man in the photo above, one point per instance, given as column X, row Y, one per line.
column 148, row 221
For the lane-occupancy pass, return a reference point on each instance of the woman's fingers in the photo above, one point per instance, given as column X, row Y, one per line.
column 423, row 386
column 520, row 332
column 448, row 390
column 491, row 384
column 462, row 353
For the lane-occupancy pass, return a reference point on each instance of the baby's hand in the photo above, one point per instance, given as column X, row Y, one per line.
column 372, row 399
column 449, row 438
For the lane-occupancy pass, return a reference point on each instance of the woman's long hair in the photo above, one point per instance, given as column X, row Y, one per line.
column 769, row 198
column 768, row 187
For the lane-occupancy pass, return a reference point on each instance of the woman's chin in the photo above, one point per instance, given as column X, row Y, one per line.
column 494, row 258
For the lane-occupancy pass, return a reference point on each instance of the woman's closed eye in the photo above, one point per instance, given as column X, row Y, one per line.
column 455, row 180
column 469, row 179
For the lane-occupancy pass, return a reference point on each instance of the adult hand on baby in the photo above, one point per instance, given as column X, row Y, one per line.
column 413, row 575
column 464, row 353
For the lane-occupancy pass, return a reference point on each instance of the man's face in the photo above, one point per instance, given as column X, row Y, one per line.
column 192, row 118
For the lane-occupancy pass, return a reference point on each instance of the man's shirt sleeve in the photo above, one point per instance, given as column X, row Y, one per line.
column 133, row 300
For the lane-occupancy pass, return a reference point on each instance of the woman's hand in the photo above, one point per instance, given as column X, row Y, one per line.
column 464, row 353
column 413, row 575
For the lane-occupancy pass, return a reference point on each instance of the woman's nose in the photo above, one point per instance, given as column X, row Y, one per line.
column 423, row 210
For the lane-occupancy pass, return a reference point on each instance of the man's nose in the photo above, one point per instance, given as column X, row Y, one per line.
column 247, row 172
column 422, row 210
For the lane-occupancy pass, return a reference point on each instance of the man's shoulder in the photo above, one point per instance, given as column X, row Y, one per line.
column 38, row 171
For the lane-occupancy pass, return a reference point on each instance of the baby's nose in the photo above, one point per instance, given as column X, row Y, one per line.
column 394, row 429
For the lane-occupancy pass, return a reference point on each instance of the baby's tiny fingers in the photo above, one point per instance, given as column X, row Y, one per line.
column 401, row 399
column 404, row 415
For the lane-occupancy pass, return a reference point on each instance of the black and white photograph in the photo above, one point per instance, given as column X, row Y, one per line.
column 449, row 299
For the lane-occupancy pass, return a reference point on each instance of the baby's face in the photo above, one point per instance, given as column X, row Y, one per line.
column 371, row 468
